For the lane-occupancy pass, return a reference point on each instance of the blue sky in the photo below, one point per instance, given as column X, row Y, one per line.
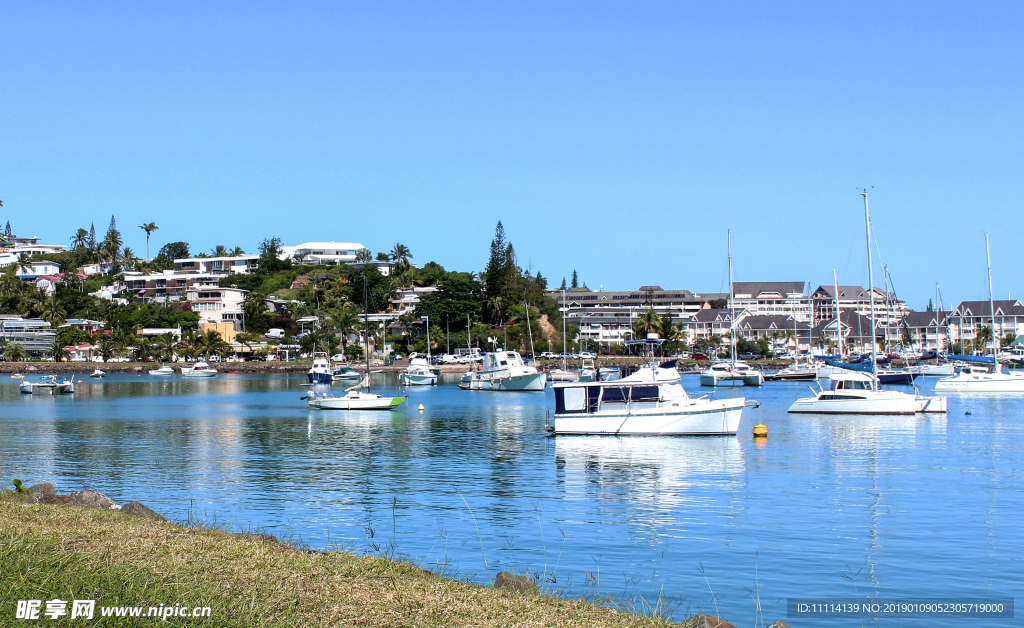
column 619, row 139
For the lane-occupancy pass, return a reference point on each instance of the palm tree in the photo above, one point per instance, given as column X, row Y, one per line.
column 149, row 228
column 246, row 339
column 235, row 252
column 57, row 351
column 24, row 263
column 648, row 323
column 165, row 346
column 345, row 322
column 144, row 349
column 128, row 255
column 220, row 251
column 108, row 348
column 81, row 238
column 53, row 312
column 209, row 342
column 401, row 256
column 14, row 352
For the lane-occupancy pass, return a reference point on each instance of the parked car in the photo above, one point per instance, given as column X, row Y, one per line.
column 749, row 356
column 699, row 356
column 587, row 355
column 275, row 333
column 339, row 357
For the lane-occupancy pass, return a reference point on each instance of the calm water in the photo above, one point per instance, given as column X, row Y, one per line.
column 902, row 507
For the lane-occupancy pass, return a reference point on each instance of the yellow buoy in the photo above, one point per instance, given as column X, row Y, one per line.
column 760, row 430
column 421, row 407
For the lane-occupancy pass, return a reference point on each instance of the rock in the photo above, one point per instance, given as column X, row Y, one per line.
column 141, row 510
column 267, row 538
column 92, row 499
column 52, row 499
column 36, row 492
column 520, row 584
column 706, row 621
column 31, row 368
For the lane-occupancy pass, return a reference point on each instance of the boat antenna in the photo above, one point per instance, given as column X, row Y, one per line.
column 366, row 329
column 563, row 330
column 991, row 304
column 732, row 304
column 871, row 290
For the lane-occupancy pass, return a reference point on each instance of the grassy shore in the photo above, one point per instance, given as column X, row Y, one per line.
column 65, row 552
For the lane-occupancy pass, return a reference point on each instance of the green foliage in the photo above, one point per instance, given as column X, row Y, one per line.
column 458, row 296
column 19, row 487
column 719, row 304
column 354, row 352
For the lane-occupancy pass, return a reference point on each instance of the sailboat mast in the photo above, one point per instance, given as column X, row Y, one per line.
column 366, row 329
column 732, row 304
column 563, row 328
column 839, row 319
column 871, row 288
column 991, row 303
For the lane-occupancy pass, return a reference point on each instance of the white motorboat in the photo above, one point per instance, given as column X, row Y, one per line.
column 97, row 373
column 563, row 375
column 505, row 371
column 17, row 376
column 320, row 372
column 733, row 373
column 25, row 388
column 166, row 369
column 418, row 373
column 664, row 373
column 343, row 372
column 588, row 372
column 980, row 379
column 199, row 369
column 934, row 370
column 650, row 408
column 354, row 400
column 856, row 393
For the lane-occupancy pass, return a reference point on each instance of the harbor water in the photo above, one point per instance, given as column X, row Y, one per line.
column 825, row 507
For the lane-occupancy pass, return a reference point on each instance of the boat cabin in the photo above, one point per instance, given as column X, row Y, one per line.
column 613, row 396
column 851, row 382
column 501, row 360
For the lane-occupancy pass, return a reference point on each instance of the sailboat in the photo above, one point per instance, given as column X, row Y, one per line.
column 353, row 399
column 419, row 373
column 732, row 372
column 858, row 392
column 983, row 373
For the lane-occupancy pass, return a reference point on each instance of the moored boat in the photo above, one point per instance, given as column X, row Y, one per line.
column 418, row 373
column 199, row 369
column 504, row 371
column 354, row 400
column 731, row 373
column 97, row 373
column 641, row 408
column 166, row 369
column 858, row 393
column 320, row 372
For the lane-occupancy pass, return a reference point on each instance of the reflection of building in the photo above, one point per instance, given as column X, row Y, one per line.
column 33, row 334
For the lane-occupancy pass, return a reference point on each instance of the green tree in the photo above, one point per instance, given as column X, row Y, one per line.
column 80, row 239
column 400, row 255
column 165, row 346
column 345, row 321
column 57, row 351
column 14, row 352
column 364, row 255
column 108, row 348
column 210, row 343
column 575, row 280
column 53, row 312
column 149, row 228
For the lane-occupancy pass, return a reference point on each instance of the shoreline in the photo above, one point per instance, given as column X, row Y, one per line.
column 130, row 556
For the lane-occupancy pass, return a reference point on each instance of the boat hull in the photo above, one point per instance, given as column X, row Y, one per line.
column 191, row 373
column 716, row 379
column 410, row 379
column 804, row 376
column 489, row 381
column 902, row 377
column 344, row 403
column 980, row 384
column 849, row 405
column 712, row 418
column 320, row 378
column 932, row 370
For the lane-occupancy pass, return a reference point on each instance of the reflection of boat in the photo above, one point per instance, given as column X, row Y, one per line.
column 418, row 373
column 504, row 370
column 857, row 393
column 731, row 373
column 163, row 370
column 637, row 407
column 199, row 369
column 320, row 372
column 97, row 373
column 354, row 400
column 49, row 384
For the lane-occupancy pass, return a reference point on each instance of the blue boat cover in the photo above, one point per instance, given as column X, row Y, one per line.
column 975, row 359
column 863, row 367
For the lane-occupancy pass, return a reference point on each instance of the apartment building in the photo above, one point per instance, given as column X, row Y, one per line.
column 772, row 298
column 329, row 253
column 33, row 334
column 968, row 317
column 217, row 305
column 888, row 309
column 240, row 264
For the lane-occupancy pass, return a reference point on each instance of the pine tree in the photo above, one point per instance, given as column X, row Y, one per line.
column 113, row 226
column 931, row 308
column 92, row 236
column 8, row 232
column 563, row 284
column 575, row 281
column 494, row 274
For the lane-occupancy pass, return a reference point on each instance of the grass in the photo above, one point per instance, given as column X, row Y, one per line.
column 64, row 552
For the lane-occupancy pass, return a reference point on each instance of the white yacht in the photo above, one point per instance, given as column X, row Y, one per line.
column 166, row 369
column 504, row 370
column 731, row 373
column 857, row 393
column 97, row 373
column 649, row 408
column 199, row 369
column 663, row 373
column 418, row 373
column 981, row 379
column 353, row 400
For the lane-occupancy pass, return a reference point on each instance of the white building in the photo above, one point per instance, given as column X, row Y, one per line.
column 330, row 253
column 240, row 264
column 37, row 269
column 216, row 304
column 33, row 334
column 772, row 298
